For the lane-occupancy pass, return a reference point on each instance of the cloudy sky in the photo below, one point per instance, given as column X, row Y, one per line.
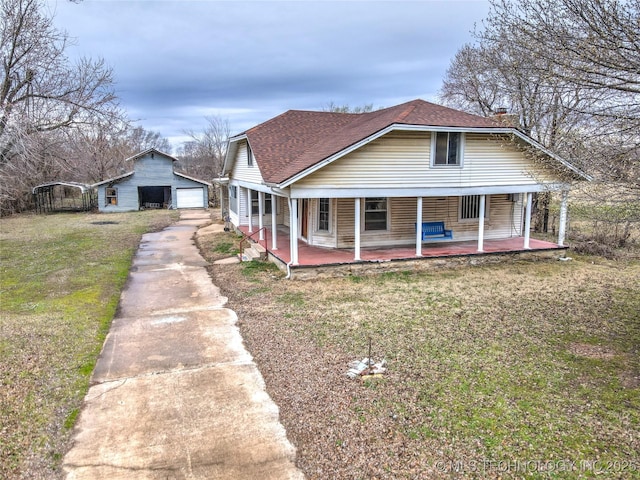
column 176, row 62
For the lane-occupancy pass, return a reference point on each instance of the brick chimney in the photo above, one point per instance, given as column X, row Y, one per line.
column 501, row 116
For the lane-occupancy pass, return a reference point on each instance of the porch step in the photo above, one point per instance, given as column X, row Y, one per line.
column 249, row 254
column 254, row 252
column 260, row 250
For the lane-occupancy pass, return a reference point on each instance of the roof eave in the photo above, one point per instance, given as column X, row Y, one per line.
column 556, row 157
column 232, row 148
column 150, row 150
column 192, row 179
column 114, row 179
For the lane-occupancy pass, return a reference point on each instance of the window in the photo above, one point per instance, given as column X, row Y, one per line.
column 249, row 156
column 233, row 198
column 447, row 148
column 470, row 207
column 323, row 214
column 375, row 213
column 255, row 206
column 111, row 196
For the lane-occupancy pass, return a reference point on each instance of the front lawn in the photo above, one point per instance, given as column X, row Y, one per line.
column 514, row 370
column 60, row 281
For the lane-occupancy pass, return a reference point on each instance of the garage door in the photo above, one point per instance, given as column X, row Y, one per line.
column 190, row 197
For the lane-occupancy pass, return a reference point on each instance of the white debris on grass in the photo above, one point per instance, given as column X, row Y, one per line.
column 366, row 366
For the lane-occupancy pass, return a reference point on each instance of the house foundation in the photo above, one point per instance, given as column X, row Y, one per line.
column 421, row 264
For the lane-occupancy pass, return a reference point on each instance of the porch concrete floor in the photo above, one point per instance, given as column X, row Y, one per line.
column 316, row 256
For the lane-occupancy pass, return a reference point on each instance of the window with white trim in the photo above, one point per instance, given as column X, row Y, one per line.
column 111, row 196
column 255, row 205
column 324, row 205
column 447, row 149
column 233, row 198
column 375, row 213
column 470, row 207
column 249, row 156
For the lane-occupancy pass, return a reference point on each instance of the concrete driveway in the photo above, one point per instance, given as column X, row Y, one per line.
column 174, row 394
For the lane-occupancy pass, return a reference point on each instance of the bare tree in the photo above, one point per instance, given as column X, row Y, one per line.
column 558, row 64
column 333, row 107
column 99, row 151
column 41, row 92
column 495, row 75
column 589, row 49
column 138, row 139
column 96, row 152
column 591, row 43
column 470, row 82
column 203, row 156
column 570, row 72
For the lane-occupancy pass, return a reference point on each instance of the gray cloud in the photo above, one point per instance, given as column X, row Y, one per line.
column 176, row 61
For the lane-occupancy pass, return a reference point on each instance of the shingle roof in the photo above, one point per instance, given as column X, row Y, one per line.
column 296, row 140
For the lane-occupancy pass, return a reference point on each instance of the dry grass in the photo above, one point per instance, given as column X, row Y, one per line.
column 603, row 218
column 526, row 362
column 60, row 282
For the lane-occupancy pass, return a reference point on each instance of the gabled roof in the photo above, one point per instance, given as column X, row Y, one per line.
column 131, row 159
column 296, row 140
column 140, row 155
column 148, row 151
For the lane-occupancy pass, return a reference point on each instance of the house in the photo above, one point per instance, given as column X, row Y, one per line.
column 323, row 188
column 151, row 183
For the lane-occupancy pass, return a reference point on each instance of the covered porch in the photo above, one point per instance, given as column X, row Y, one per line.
column 311, row 256
column 304, row 252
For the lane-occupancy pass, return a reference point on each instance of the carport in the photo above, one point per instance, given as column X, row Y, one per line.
column 64, row 197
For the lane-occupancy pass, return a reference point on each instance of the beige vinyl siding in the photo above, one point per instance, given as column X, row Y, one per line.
column 345, row 210
column 286, row 213
column 494, row 160
column 402, row 159
column 241, row 170
column 505, row 220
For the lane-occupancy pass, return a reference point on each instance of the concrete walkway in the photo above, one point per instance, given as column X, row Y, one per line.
column 174, row 393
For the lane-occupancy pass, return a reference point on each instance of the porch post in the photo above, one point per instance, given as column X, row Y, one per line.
column 419, row 227
column 483, row 199
column 356, row 223
column 527, row 221
column 260, row 215
column 293, row 230
column 274, row 224
column 562, row 228
column 250, row 210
